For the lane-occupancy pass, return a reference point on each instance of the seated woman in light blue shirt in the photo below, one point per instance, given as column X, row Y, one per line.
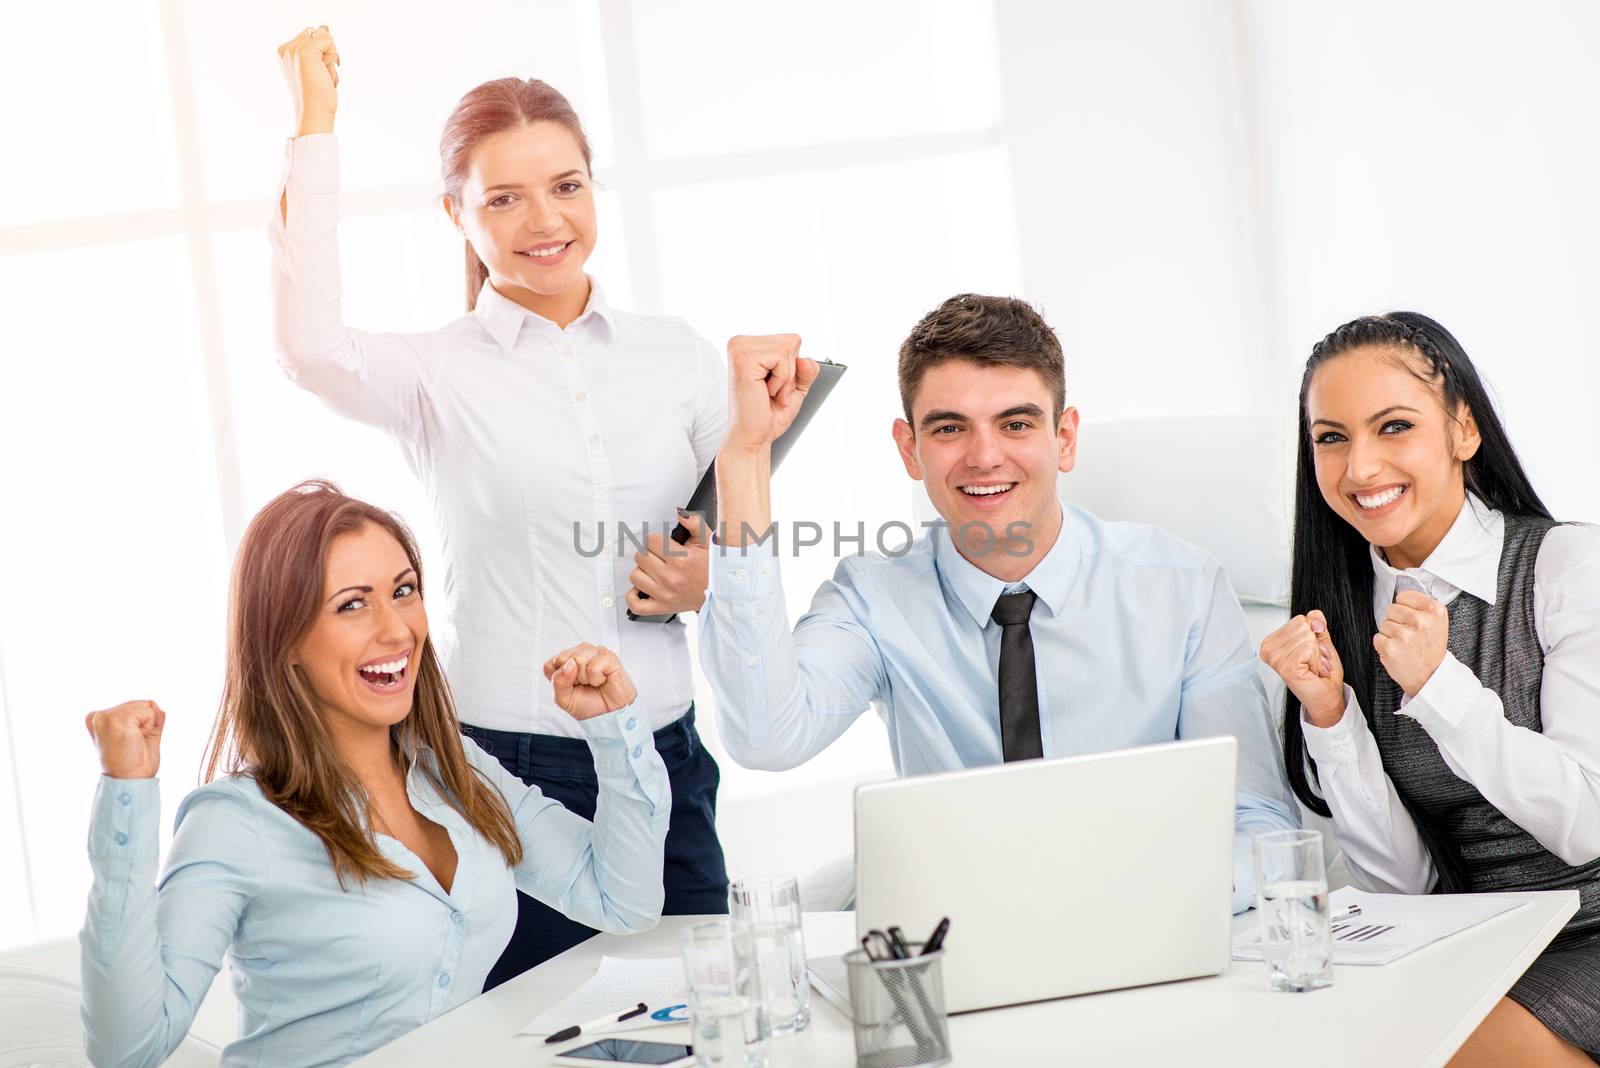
column 358, row 861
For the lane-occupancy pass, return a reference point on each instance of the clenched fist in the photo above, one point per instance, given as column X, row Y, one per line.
column 768, row 379
column 1412, row 639
column 1302, row 653
column 589, row 681
column 310, row 63
column 129, row 738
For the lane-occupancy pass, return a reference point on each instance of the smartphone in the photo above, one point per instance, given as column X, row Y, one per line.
column 628, row 1051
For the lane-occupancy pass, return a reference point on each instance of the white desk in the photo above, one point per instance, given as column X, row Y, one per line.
column 1414, row 1013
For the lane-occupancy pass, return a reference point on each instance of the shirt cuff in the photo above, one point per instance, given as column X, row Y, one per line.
column 1447, row 698
column 744, row 573
column 311, row 165
column 125, row 820
column 1335, row 744
column 1244, row 874
column 622, row 743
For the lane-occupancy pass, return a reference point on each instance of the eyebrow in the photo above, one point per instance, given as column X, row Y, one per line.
column 367, row 589
column 944, row 415
column 1371, row 418
column 518, row 185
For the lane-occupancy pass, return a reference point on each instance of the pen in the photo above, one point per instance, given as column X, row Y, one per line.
column 577, row 1029
column 936, row 939
column 897, row 942
column 1344, row 913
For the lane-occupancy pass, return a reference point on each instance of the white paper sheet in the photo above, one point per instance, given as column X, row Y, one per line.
column 1391, row 926
column 620, row 984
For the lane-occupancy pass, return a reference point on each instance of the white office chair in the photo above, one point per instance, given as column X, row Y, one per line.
column 40, row 1025
column 1224, row 483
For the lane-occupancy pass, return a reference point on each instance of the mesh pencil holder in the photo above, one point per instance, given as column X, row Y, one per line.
column 897, row 1007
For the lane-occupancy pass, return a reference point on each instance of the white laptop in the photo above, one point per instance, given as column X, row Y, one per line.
column 1060, row 876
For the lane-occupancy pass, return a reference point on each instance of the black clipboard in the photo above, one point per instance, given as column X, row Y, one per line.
column 704, row 498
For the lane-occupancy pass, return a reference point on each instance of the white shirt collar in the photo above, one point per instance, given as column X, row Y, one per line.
column 503, row 317
column 1467, row 560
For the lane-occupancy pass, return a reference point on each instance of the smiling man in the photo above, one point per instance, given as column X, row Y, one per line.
column 1018, row 628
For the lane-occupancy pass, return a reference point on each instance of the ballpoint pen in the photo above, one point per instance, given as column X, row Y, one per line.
column 1344, row 914
column 589, row 1025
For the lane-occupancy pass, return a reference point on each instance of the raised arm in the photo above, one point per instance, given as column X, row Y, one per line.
column 148, row 957
column 606, row 874
column 378, row 379
column 1380, row 841
column 782, row 694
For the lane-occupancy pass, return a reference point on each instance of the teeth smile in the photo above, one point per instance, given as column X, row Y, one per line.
column 986, row 491
column 393, row 667
column 1378, row 500
column 544, row 253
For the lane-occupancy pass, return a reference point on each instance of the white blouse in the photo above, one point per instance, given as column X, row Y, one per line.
column 532, row 441
column 1547, row 783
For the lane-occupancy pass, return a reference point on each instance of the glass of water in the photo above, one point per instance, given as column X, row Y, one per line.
column 725, row 1000
column 770, row 904
column 1292, row 897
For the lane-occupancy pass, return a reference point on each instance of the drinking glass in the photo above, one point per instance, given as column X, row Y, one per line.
column 725, row 1001
column 1292, row 897
column 770, row 904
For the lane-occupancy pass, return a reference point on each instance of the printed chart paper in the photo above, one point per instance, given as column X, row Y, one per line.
column 620, row 984
column 1391, row 926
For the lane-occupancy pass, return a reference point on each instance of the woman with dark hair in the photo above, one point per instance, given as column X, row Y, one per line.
column 1443, row 660
column 357, row 861
column 542, row 423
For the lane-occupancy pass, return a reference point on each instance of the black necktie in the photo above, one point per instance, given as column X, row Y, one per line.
column 1019, row 687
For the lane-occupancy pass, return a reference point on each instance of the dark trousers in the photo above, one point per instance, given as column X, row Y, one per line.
column 695, row 876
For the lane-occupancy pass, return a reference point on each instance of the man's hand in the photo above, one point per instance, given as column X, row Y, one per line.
column 1302, row 654
column 310, row 62
column 768, row 379
column 129, row 739
column 589, row 681
column 1412, row 640
column 674, row 576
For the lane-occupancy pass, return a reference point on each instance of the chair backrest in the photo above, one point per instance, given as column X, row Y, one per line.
column 41, row 1025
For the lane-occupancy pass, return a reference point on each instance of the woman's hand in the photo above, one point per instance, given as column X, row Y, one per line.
column 673, row 575
column 1412, row 640
column 1302, row 654
column 129, row 739
column 589, row 681
column 311, row 66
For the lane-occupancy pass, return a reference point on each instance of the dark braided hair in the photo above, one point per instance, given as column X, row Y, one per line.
column 1332, row 570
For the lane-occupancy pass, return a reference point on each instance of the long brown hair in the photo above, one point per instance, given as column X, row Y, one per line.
column 493, row 108
column 269, row 726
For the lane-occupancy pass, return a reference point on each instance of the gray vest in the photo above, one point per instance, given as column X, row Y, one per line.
column 1499, row 643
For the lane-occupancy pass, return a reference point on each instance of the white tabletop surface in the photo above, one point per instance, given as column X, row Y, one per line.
column 1414, row 1012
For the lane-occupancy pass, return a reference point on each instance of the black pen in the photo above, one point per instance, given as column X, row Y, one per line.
column 936, row 939
column 897, row 942
column 577, row 1029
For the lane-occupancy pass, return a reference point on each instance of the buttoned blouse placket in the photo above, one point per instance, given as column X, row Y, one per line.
column 599, row 478
column 457, row 899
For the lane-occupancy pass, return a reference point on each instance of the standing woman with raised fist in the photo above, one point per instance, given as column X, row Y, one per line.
column 357, row 861
column 539, row 423
column 1443, row 661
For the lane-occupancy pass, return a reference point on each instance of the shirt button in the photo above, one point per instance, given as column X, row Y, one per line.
column 633, row 721
column 638, row 750
column 566, row 350
column 124, row 800
column 594, row 439
column 121, row 839
column 580, row 395
column 444, row 980
column 608, row 602
column 603, row 487
column 750, row 660
column 456, row 918
column 740, row 574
